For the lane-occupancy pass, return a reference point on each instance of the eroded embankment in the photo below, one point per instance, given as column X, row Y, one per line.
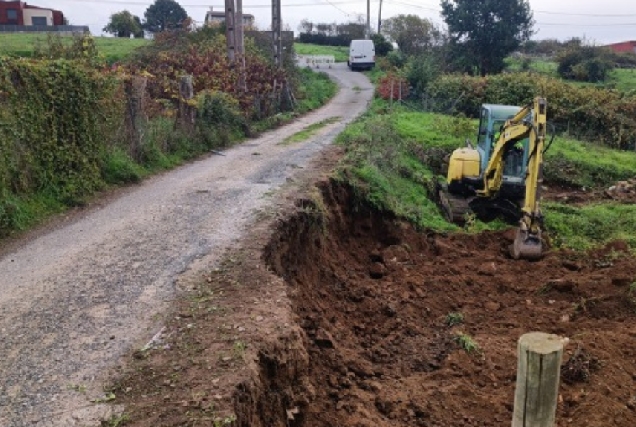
column 374, row 299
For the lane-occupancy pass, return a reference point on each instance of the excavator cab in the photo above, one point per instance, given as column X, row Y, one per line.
column 492, row 119
column 500, row 176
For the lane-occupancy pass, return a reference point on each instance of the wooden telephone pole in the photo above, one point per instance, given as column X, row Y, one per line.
column 229, row 29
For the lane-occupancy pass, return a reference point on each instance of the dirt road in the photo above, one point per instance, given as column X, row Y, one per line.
column 74, row 300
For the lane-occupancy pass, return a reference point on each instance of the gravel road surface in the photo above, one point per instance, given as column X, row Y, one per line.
column 77, row 298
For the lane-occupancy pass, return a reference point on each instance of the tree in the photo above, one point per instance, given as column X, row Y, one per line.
column 164, row 15
column 483, row 32
column 124, row 24
column 382, row 45
column 413, row 34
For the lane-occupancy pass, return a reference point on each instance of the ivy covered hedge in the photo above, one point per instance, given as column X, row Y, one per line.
column 598, row 115
column 55, row 117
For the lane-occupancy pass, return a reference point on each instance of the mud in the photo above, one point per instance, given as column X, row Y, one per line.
column 379, row 307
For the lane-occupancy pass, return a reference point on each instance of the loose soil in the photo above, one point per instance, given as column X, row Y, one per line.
column 373, row 297
column 344, row 321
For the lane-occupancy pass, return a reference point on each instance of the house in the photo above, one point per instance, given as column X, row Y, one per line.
column 212, row 18
column 21, row 13
column 629, row 46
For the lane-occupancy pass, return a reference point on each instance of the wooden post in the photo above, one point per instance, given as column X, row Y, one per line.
column 186, row 110
column 538, row 372
column 135, row 90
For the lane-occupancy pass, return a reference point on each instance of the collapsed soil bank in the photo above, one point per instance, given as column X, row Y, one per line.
column 372, row 297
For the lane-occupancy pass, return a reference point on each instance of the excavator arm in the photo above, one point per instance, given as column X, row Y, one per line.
column 529, row 122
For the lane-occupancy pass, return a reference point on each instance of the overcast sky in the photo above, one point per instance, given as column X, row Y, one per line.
column 602, row 22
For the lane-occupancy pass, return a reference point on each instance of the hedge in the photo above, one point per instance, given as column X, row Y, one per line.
column 589, row 113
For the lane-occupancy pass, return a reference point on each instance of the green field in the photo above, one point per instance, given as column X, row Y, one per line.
column 394, row 158
column 341, row 53
column 23, row 45
column 621, row 79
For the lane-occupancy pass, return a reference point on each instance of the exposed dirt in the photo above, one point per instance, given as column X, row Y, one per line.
column 621, row 192
column 373, row 297
column 344, row 321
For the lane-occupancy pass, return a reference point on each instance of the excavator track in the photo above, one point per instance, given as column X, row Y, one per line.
column 454, row 207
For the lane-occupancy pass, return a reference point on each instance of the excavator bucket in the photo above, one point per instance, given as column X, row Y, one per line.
column 526, row 246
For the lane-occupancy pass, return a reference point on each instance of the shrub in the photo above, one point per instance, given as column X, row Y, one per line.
column 397, row 58
column 382, row 46
column 584, row 63
column 599, row 115
column 421, row 71
column 218, row 114
column 392, row 86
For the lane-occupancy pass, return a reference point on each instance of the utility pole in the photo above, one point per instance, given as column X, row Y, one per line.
column 277, row 33
column 240, row 43
column 380, row 17
column 229, row 30
column 238, row 28
column 368, row 19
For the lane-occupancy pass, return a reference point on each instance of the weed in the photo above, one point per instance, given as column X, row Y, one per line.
column 77, row 387
column 632, row 289
column 545, row 289
column 455, row 318
column 226, row 421
column 116, row 421
column 108, row 397
column 238, row 349
column 467, row 343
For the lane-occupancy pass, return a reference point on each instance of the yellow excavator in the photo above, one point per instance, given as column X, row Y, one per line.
column 502, row 174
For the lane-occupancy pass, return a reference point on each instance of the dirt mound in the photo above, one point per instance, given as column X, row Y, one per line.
column 388, row 313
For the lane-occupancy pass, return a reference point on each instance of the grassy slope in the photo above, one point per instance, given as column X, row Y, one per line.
column 391, row 157
column 23, row 45
column 341, row 53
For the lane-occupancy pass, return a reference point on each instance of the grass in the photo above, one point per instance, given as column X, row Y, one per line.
column 583, row 227
column 308, row 131
column 394, row 156
column 455, row 318
column 314, row 90
column 467, row 343
column 583, row 164
column 622, row 79
column 23, row 45
column 340, row 53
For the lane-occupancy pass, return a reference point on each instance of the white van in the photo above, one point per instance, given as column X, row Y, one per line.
column 361, row 55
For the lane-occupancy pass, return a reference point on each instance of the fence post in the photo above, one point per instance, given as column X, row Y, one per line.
column 135, row 90
column 538, row 372
column 186, row 93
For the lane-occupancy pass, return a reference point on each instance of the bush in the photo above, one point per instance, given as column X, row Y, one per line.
column 382, row 45
column 584, row 63
column 421, row 71
column 397, row 58
column 218, row 114
column 56, row 116
column 599, row 115
column 393, row 87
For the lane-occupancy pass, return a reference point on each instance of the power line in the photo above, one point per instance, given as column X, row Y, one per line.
column 586, row 14
column 334, row 5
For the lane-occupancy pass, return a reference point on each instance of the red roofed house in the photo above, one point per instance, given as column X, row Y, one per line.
column 21, row 13
column 622, row 47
